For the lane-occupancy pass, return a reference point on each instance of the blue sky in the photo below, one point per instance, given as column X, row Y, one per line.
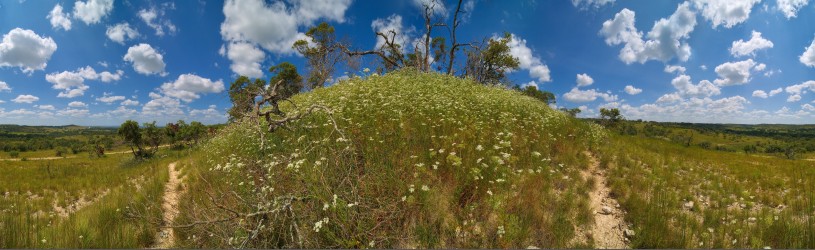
column 100, row 62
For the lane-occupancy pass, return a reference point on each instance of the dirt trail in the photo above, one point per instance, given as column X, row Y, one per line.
column 69, row 157
column 166, row 238
column 608, row 230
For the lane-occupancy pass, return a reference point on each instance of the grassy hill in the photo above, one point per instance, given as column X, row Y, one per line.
column 415, row 160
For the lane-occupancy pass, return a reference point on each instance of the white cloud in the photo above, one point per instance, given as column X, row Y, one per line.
column 703, row 67
column 775, row 91
column 585, row 4
column 4, row 87
column 188, row 87
column 154, row 18
column 129, row 102
column 584, row 80
column 274, row 26
column 631, row 90
column 808, row 107
column 756, row 42
column 77, row 104
column 672, row 107
column 26, row 50
column 801, row 88
column 760, row 94
column 790, row 7
column 530, row 84
column 145, row 59
column 45, row 107
column 794, row 98
column 210, row 113
column 107, row 98
column 392, row 23
column 92, row 11
column 576, row 95
column 807, row 58
column 162, row 106
column 72, row 83
column 725, row 12
column 439, row 9
column 674, row 68
column 734, row 73
column 760, row 67
column 25, row 99
column 665, row 40
column 59, row 20
column 74, row 112
column 685, row 87
column 527, row 61
column 119, row 33
column 246, row 59
column 669, row 98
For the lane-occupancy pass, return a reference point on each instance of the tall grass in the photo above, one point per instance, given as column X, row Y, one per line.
column 420, row 160
column 739, row 201
column 123, row 188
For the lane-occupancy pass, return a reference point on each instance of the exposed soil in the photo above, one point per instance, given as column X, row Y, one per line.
column 166, row 238
column 608, row 230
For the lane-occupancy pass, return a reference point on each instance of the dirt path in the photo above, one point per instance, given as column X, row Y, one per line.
column 608, row 230
column 69, row 157
column 166, row 238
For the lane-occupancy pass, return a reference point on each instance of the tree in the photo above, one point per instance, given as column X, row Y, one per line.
column 196, row 130
column 544, row 96
column 152, row 135
column 171, row 131
column 610, row 117
column 489, row 65
column 453, row 45
column 323, row 56
column 286, row 74
column 572, row 111
column 131, row 133
column 424, row 55
column 241, row 93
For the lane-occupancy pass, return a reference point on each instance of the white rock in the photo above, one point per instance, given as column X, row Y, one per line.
column 605, row 210
column 629, row 233
column 688, row 205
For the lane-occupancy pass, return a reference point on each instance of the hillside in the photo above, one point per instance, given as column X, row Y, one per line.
column 415, row 160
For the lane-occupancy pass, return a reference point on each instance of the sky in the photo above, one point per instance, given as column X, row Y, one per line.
column 100, row 62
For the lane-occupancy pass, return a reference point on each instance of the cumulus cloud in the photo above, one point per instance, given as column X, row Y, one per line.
column 530, row 84
column 798, row 89
column 45, row 107
column 528, row 61
column 756, row 42
column 188, row 87
column 392, row 26
column 108, row 98
column 154, row 18
column 794, row 98
column 808, row 107
column 674, row 68
column 775, row 91
column 734, row 73
column 160, row 105
column 631, row 90
column 74, row 112
column 77, row 104
column 790, row 7
column 760, row 94
column 4, row 87
column 119, row 33
column 685, row 87
column 145, row 59
column 665, row 40
column 725, row 12
column 59, row 20
column 92, row 11
column 274, row 26
column 439, row 9
column 807, row 58
column 585, row 4
column 26, row 50
column 576, row 95
column 25, row 99
column 129, row 102
column 672, row 107
column 72, row 83
column 246, row 59
column 669, row 98
column 584, row 80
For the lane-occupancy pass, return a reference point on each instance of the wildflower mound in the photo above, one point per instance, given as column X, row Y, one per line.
column 403, row 160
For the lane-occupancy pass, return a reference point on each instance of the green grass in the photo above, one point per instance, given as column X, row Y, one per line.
column 736, row 196
column 119, row 187
column 427, row 161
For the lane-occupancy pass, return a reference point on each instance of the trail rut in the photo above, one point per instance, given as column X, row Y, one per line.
column 166, row 237
column 608, row 230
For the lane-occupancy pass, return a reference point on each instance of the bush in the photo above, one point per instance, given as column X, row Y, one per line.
column 14, row 154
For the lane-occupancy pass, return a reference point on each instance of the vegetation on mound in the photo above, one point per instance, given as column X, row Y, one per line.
column 407, row 159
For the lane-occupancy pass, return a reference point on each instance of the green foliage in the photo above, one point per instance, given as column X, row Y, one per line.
column 286, row 74
column 153, row 136
column 242, row 93
column 489, row 65
column 571, row 112
column 542, row 95
column 610, row 117
column 132, row 135
column 323, row 56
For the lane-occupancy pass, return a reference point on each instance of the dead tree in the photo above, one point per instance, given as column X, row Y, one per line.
column 455, row 46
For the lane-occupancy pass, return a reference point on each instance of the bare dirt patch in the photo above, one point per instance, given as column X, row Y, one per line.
column 609, row 228
column 166, row 237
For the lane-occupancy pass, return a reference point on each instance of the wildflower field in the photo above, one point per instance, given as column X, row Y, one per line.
column 403, row 160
